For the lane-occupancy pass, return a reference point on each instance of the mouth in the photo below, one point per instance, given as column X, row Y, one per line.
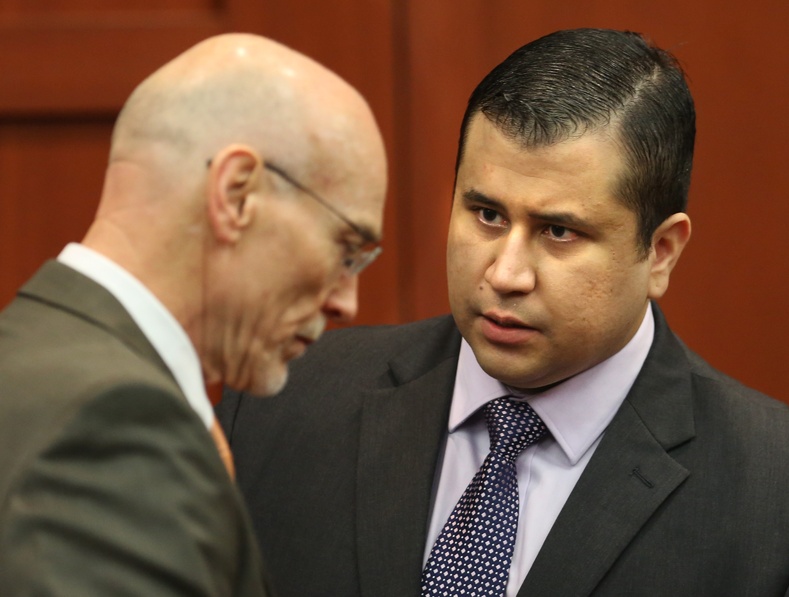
column 506, row 329
column 505, row 321
column 308, row 334
column 297, row 347
column 306, row 340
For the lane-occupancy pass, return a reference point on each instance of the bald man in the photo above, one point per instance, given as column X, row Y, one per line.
column 243, row 196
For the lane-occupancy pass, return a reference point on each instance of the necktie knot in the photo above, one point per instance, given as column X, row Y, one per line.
column 513, row 426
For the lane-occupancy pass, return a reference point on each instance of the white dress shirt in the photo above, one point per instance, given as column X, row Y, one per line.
column 576, row 413
column 157, row 324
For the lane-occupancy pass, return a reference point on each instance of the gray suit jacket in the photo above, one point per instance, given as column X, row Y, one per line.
column 687, row 494
column 109, row 482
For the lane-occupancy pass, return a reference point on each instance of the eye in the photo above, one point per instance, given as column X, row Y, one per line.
column 489, row 217
column 353, row 250
column 350, row 249
column 560, row 233
column 350, row 253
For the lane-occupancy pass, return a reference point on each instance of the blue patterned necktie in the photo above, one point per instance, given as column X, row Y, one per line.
column 473, row 553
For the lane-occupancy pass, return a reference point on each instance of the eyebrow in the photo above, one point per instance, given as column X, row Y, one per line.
column 475, row 196
column 562, row 218
column 366, row 233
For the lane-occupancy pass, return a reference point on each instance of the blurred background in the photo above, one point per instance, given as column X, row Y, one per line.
column 66, row 67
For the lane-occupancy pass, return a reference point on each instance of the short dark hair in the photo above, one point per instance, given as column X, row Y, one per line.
column 576, row 81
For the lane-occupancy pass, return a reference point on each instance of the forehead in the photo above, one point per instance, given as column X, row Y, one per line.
column 583, row 170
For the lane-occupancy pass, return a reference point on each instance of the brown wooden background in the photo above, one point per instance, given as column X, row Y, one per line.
column 67, row 65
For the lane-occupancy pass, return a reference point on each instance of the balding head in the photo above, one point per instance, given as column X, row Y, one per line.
column 245, row 89
column 189, row 208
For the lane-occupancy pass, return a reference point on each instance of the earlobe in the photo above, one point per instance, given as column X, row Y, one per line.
column 233, row 177
column 668, row 241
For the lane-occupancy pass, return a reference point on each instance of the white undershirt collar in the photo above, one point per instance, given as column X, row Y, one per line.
column 154, row 320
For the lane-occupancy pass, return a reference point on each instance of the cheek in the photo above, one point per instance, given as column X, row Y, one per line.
column 312, row 285
column 309, row 259
column 608, row 301
column 313, row 269
column 295, row 296
column 459, row 280
column 465, row 261
column 586, row 293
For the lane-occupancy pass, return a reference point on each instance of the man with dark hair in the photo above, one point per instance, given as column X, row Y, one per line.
column 553, row 437
column 599, row 79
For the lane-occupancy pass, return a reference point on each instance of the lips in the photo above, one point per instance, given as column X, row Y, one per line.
column 300, row 345
column 505, row 329
column 305, row 340
column 308, row 335
column 296, row 347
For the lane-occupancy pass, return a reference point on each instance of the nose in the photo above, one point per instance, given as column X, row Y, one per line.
column 342, row 303
column 511, row 269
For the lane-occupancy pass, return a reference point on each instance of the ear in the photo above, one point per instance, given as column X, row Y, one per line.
column 668, row 241
column 234, row 175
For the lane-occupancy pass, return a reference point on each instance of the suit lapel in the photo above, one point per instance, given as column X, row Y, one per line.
column 63, row 288
column 402, row 429
column 629, row 476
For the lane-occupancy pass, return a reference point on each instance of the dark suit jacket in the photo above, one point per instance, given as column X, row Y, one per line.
column 687, row 494
column 109, row 482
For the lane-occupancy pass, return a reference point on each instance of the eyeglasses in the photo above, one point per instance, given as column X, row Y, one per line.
column 357, row 259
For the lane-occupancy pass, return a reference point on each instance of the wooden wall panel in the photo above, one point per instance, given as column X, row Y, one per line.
column 59, row 9
column 355, row 39
column 68, row 65
column 50, row 179
column 64, row 61
column 727, row 295
column 66, row 69
column 446, row 56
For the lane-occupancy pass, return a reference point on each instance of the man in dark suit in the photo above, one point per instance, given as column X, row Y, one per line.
column 650, row 473
column 244, row 193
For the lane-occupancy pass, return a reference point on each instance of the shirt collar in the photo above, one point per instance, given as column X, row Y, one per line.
column 158, row 325
column 576, row 411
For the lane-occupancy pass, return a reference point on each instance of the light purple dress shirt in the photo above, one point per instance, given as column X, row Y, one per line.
column 576, row 412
